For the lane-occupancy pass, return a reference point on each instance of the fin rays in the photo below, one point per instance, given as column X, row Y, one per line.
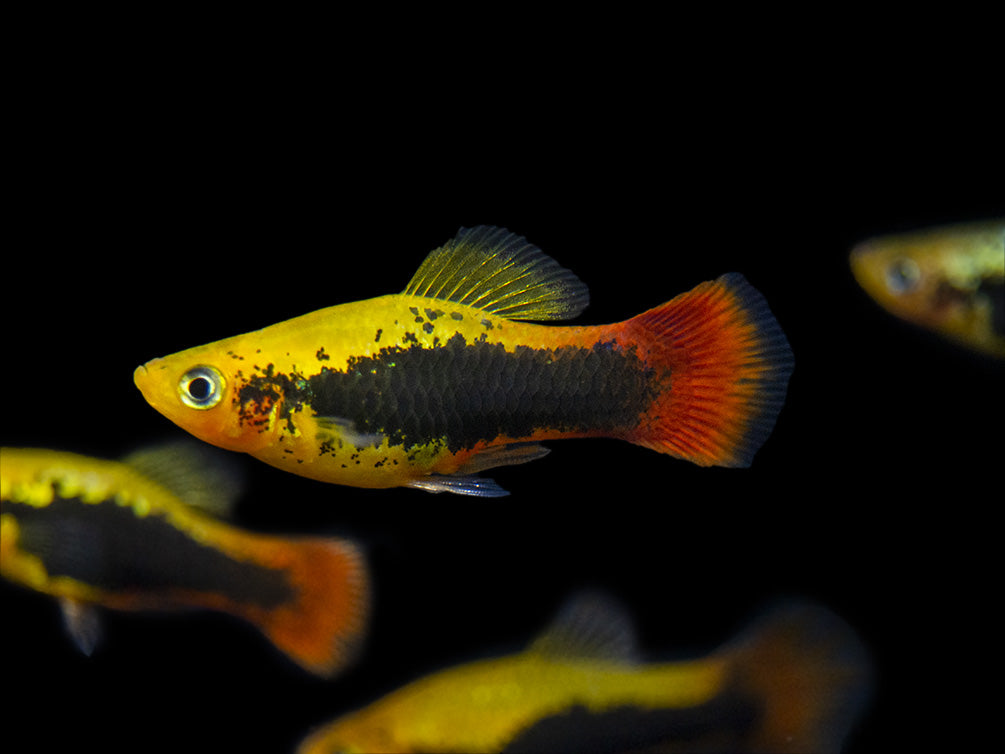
column 502, row 273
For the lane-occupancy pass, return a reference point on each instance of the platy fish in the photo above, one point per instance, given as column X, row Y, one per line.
column 430, row 386
column 796, row 681
column 97, row 533
column 950, row 280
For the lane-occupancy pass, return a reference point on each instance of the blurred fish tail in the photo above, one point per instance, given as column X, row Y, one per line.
column 729, row 365
column 322, row 628
column 810, row 675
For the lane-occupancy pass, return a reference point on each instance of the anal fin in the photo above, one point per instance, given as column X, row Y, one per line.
column 474, row 486
column 83, row 624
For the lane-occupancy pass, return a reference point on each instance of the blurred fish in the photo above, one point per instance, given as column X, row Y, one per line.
column 796, row 681
column 428, row 387
column 92, row 532
column 950, row 280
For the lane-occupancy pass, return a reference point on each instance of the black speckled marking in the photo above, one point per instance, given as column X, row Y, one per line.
column 257, row 396
column 108, row 546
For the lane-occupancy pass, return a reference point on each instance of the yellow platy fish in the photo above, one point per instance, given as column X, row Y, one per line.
column 950, row 280
column 428, row 387
column 795, row 682
column 97, row 533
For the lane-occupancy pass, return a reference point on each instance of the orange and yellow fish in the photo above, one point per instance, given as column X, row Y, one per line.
column 97, row 533
column 950, row 280
column 796, row 681
column 430, row 386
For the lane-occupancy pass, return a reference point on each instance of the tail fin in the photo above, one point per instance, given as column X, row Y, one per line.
column 323, row 628
column 811, row 675
column 729, row 366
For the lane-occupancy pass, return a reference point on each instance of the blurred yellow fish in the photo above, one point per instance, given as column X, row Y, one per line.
column 950, row 280
column 796, row 681
column 92, row 532
column 428, row 387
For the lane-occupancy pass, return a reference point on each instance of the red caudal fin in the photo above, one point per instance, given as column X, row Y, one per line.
column 322, row 628
column 729, row 366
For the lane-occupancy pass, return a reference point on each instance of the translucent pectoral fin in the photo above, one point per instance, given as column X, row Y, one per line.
column 346, row 429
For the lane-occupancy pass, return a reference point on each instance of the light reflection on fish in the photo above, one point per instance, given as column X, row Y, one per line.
column 123, row 535
column 428, row 387
column 950, row 280
column 796, row 681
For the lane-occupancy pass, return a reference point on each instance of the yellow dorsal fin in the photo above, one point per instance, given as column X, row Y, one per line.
column 591, row 626
column 200, row 475
column 501, row 273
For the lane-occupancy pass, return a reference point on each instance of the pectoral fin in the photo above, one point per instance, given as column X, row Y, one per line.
column 347, row 430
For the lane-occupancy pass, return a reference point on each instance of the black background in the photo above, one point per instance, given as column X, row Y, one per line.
column 168, row 204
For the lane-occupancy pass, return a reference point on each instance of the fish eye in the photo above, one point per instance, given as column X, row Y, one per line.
column 201, row 387
column 903, row 275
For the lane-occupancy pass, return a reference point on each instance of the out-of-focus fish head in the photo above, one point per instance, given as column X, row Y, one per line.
column 205, row 399
column 897, row 277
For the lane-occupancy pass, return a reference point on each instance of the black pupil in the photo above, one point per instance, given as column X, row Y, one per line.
column 200, row 388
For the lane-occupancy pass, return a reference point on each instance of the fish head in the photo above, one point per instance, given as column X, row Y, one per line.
column 200, row 393
column 898, row 276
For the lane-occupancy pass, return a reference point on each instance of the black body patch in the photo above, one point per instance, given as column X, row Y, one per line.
column 109, row 546
column 723, row 724
column 462, row 393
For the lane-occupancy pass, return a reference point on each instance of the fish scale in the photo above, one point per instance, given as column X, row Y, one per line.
column 422, row 398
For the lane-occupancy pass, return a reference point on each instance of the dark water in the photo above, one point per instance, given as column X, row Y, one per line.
column 873, row 496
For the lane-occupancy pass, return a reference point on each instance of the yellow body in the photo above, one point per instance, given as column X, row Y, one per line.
column 333, row 337
column 949, row 280
column 794, row 683
column 482, row 706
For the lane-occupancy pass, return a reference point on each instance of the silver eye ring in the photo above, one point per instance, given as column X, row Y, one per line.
column 903, row 275
column 201, row 387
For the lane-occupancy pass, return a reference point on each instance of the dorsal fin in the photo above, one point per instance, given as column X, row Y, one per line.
column 591, row 626
column 501, row 273
column 201, row 476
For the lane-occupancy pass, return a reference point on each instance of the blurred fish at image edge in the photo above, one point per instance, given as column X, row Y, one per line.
column 949, row 280
column 797, row 680
column 137, row 535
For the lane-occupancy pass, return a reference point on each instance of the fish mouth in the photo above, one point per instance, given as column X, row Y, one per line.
column 144, row 379
column 141, row 378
